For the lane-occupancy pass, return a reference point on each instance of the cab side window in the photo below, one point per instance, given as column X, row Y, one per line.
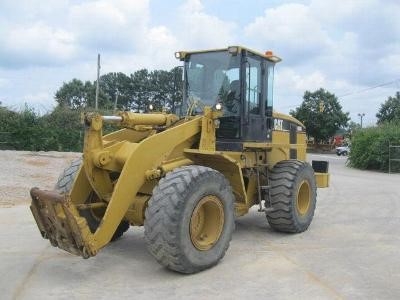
column 253, row 86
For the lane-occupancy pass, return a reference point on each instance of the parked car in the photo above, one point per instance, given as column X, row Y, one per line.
column 342, row 150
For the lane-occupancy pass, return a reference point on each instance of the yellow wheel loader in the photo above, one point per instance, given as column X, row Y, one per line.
column 185, row 176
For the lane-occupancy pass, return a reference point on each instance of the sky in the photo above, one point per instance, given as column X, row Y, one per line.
column 349, row 47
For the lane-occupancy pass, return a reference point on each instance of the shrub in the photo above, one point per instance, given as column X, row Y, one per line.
column 59, row 130
column 7, row 123
column 20, row 130
column 63, row 130
column 370, row 147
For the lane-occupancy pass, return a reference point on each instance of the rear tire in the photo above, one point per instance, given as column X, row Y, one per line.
column 92, row 216
column 293, row 196
column 190, row 219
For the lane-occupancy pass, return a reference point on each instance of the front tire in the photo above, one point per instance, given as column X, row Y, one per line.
column 293, row 196
column 190, row 219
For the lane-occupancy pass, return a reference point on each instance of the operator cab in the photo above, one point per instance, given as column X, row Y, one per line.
column 239, row 79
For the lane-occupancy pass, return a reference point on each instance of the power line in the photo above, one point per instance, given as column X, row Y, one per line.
column 369, row 88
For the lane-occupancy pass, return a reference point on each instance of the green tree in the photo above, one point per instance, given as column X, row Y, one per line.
column 389, row 110
column 166, row 88
column 117, row 88
column 140, row 90
column 162, row 89
column 105, row 102
column 73, row 94
column 321, row 113
column 176, row 86
column 76, row 94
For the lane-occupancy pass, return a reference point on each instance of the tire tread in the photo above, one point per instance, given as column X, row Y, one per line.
column 162, row 217
column 283, row 183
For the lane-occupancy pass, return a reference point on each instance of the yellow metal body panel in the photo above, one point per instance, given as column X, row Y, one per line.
column 224, row 164
column 138, row 159
column 141, row 155
column 122, row 168
column 322, row 180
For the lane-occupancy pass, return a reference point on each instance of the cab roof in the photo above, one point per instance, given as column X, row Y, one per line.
column 268, row 55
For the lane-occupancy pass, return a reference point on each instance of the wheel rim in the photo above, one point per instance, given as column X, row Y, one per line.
column 303, row 198
column 206, row 222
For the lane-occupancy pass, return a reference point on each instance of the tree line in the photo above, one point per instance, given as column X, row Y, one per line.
column 322, row 115
column 61, row 129
column 118, row 91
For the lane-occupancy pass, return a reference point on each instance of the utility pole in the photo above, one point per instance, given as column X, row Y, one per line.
column 116, row 100
column 361, row 115
column 97, row 82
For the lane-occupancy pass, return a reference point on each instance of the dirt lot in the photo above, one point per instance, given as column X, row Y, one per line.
column 23, row 169
column 351, row 250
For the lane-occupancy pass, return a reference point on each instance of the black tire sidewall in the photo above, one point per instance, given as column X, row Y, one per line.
column 303, row 221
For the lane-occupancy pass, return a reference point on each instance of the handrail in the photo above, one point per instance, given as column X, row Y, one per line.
column 392, row 159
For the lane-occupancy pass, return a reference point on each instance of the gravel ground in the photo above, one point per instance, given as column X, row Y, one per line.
column 22, row 170
column 351, row 250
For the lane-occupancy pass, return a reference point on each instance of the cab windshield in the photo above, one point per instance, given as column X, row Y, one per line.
column 210, row 78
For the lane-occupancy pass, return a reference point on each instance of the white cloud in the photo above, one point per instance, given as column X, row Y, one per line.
column 310, row 82
column 36, row 44
column 200, row 30
column 96, row 13
column 39, row 100
column 159, row 47
column 3, row 82
column 292, row 30
column 343, row 46
column 333, row 11
column 156, row 45
column 109, row 25
column 391, row 64
column 26, row 11
column 363, row 31
column 290, row 87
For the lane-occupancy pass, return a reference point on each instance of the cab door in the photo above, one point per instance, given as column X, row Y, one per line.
column 254, row 124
